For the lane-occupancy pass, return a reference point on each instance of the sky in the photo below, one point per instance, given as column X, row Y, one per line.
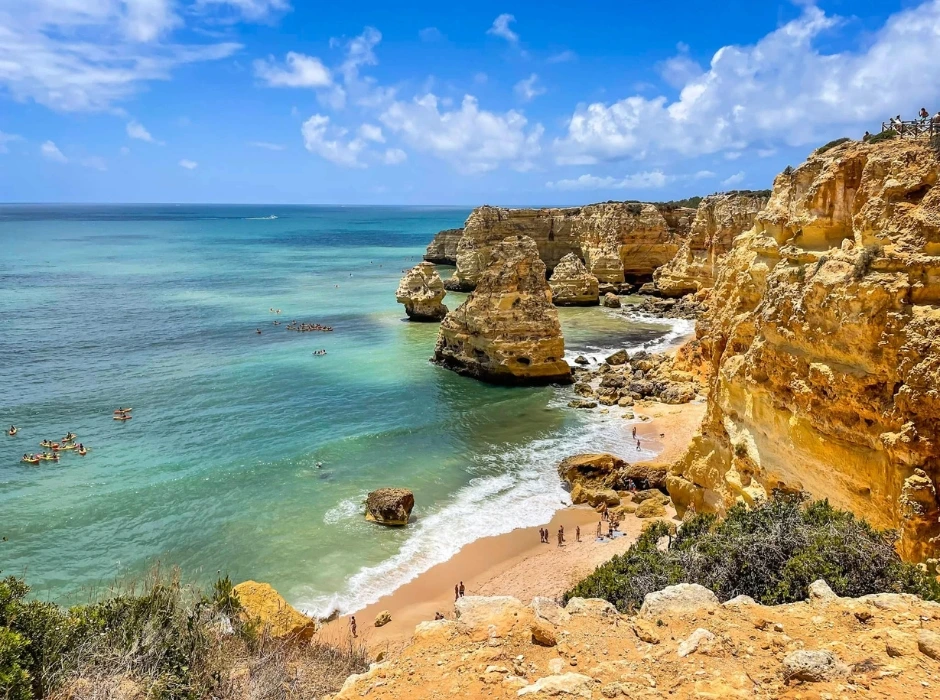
column 294, row 101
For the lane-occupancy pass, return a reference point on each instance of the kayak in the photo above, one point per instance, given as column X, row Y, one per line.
column 123, row 410
column 35, row 460
column 69, row 439
column 82, row 453
column 123, row 417
column 69, row 447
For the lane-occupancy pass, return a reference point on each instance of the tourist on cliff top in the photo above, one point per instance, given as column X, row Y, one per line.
column 924, row 113
column 456, row 592
column 462, row 589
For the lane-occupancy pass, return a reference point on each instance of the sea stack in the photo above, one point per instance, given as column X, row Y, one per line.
column 443, row 249
column 507, row 331
column 572, row 284
column 390, row 506
column 422, row 291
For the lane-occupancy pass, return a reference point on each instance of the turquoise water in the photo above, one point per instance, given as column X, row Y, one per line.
column 156, row 307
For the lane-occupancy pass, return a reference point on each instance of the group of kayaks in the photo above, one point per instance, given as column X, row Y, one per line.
column 66, row 444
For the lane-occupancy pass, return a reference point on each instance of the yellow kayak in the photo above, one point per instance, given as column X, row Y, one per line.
column 68, row 447
column 123, row 417
column 35, row 460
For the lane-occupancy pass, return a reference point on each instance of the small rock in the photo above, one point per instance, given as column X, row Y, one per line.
column 543, row 633
column 581, row 360
column 582, row 403
column 556, row 666
column 618, row 358
column 567, row 684
column 645, row 631
column 611, row 301
column 929, row 644
column 694, row 641
column 813, row 666
column 684, row 597
column 383, row 618
column 899, row 643
column 819, row 592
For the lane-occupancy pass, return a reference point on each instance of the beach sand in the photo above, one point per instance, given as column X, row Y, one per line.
column 517, row 564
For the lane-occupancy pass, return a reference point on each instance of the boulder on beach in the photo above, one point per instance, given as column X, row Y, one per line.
column 611, row 301
column 383, row 618
column 606, row 471
column 421, row 290
column 390, row 506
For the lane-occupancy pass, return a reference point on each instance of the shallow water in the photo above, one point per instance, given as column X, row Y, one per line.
column 156, row 308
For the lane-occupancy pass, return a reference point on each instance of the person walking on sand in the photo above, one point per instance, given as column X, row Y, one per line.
column 561, row 535
column 634, row 432
column 577, row 533
column 462, row 589
column 598, row 529
column 637, row 444
column 352, row 625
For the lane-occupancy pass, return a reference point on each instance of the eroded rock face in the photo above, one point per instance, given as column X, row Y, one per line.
column 718, row 220
column 443, row 248
column 390, row 506
column 263, row 605
column 421, row 290
column 507, row 331
column 823, row 331
column 572, row 284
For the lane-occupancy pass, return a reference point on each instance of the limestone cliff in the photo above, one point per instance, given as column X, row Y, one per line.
column 422, row 291
column 572, row 284
column 507, row 331
column 443, row 249
column 823, row 333
column 718, row 220
column 617, row 240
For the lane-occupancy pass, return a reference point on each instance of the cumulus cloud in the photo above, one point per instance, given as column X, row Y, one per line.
column 473, row 140
column 188, row 164
column 735, row 179
column 370, row 132
column 51, row 152
column 7, row 138
column 330, row 142
column 639, row 181
column 298, row 71
column 85, row 56
column 782, row 90
column 267, row 145
column 136, row 130
column 529, row 88
column 501, row 28
column 394, row 156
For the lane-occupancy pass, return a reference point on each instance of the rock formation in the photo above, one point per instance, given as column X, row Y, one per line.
column 718, row 220
column 617, row 240
column 422, row 291
column 824, row 337
column 572, row 284
column 390, row 506
column 443, row 248
column 644, row 376
column 683, row 643
column 507, row 331
column 263, row 605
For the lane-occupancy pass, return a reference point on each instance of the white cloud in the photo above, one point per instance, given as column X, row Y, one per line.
column 529, row 88
column 501, row 28
column 50, row 151
column 680, row 69
column 733, row 155
column 766, row 152
column 783, row 90
column 188, row 164
column 299, row 70
column 329, row 142
column 266, row 145
column 562, row 57
column 703, row 175
column 7, row 138
column 75, row 55
column 136, row 130
column 394, row 156
column 637, row 181
column 430, row 34
column 735, row 179
column 256, row 10
column 95, row 162
column 471, row 139
column 370, row 132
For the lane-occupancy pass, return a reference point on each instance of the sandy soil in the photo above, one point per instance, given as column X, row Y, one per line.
column 516, row 563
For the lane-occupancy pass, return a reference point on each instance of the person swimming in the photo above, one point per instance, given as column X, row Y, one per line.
column 12, row 431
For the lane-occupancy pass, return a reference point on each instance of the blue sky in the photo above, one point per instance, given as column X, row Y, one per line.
column 286, row 101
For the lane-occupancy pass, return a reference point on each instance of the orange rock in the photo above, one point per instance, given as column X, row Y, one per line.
column 260, row 602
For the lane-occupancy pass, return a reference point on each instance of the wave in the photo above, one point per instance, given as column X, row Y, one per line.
column 260, row 218
column 678, row 329
column 527, row 494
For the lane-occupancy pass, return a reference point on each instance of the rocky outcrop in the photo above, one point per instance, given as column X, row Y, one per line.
column 507, row 331
column 682, row 644
column 823, row 332
column 642, row 376
column 262, row 605
column 422, row 291
column 443, row 248
column 572, row 284
column 599, row 472
column 718, row 220
column 390, row 506
column 617, row 240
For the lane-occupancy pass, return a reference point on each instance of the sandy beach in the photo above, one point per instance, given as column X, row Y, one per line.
column 516, row 563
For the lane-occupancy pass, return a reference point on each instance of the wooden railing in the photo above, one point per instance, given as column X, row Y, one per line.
column 928, row 127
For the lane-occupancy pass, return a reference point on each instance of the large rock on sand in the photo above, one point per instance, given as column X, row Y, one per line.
column 572, row 284
column 390, row 506
column 262, row 604
column 606, row 471
column 507, row 331
column 421, row 290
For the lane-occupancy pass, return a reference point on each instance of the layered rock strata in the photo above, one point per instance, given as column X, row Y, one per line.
column 823, row 334
column 718, row 220
column 422, row 292
column 683, row 643
column 507, row 331
column 443, row 248
column 572, row 284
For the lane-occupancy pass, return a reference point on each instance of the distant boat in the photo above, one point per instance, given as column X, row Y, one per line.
column 261, row 218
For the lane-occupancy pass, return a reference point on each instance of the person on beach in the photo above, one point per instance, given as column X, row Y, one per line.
column 352, row 625
column 577, row 533
column 456, row 592
column 561, row 535
column 598, row 529
column 634, row 432
column 541, row 535
column 638, row 444
column 462, row 589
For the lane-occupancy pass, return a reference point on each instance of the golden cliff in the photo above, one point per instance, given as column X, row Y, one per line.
column 718, row 220
column 823, row 335
column 443, row 249
column 616, row 240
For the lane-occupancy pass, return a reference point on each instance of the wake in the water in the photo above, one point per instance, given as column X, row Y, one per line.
column 272, row 217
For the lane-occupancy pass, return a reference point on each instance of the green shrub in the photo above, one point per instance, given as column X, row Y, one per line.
column 771, row 552
column 886, row 135
column 14, row 678
column 832, row 144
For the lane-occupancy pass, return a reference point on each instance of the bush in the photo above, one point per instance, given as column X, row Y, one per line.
column 886, row 135
column 832, row 144
column 771, row 552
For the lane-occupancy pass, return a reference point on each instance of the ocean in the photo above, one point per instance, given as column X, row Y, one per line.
column 157, row 308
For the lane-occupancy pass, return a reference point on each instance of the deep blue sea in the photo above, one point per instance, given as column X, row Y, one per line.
column 156, row 308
